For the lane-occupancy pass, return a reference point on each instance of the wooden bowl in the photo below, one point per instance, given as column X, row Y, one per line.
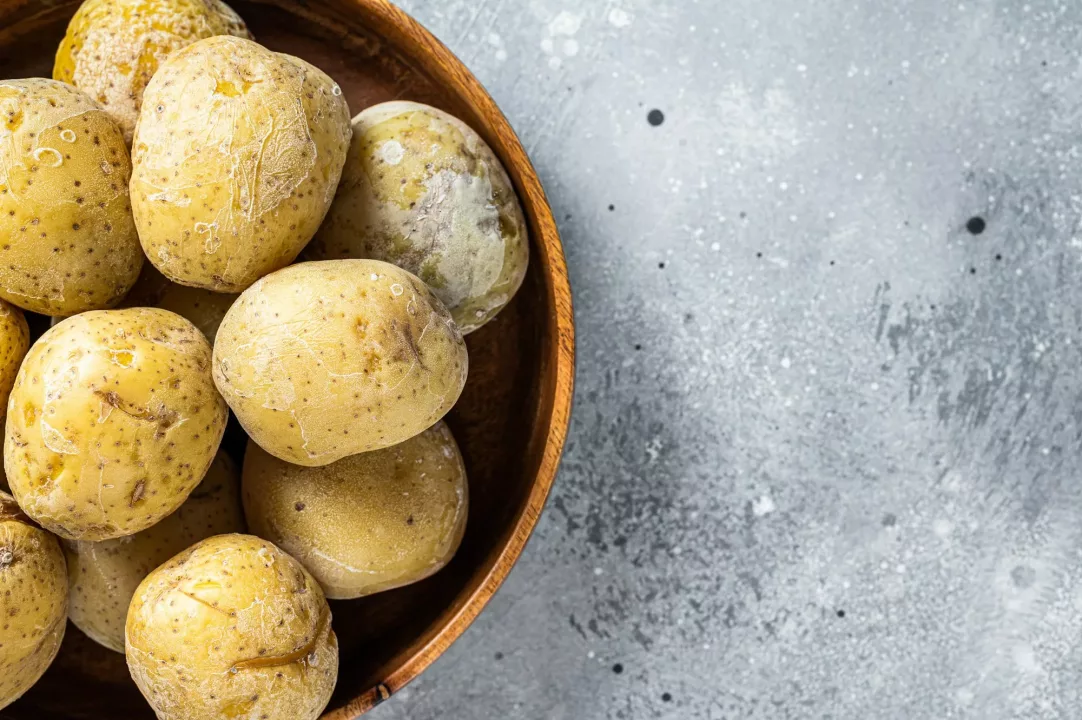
column 513, row 416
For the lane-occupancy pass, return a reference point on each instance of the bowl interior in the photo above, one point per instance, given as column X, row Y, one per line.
column 502, row 422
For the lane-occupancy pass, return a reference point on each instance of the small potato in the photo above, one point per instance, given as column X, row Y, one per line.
column 369, row 522
column 204, row 308
column 232, row 628
column 104, row 575
column 33, row 601
column 112, row 422
column 67, row 238
column 422, row 190
column 113, row 47
column 236, row 158
column 327, row 359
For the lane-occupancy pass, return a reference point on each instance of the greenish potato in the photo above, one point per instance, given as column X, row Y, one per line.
column 113, row 47
column 327, row 359
column 232, row 628
column 237, row 154
column 67, row 237
column 103, row 575
column 112, row 422
column 204, row 308
column 422, row 190
column 369, row 522
column 33, row 601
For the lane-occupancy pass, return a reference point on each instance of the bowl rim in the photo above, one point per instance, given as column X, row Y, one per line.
column 438, row 62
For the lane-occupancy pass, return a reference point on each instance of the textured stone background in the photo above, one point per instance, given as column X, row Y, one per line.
column 825, row 454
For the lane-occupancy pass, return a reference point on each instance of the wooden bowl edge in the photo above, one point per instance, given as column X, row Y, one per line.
column 438, row 62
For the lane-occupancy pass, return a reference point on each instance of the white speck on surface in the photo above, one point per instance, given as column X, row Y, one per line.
column 571, row 47
column 786, row 363
column 619, row 18
column 763, row 506
column 598, row 571
column 566, row 23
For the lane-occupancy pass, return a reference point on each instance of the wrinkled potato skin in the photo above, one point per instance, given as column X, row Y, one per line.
column 112, row 422
column 67, row 237
column 104, row 575
column 204, row 308
column 113, row 47
column 232, row 628
column 237, row 155
column 369, row 522
column 422, row 190
column 327, row 359
column 33, row 601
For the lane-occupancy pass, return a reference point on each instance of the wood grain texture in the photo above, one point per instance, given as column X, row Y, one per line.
column 511, row 422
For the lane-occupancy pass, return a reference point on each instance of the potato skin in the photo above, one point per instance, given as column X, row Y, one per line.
column 232, row 628
column 236, row 157
column 14, row 342
column 369, row 522
column 112, row 422
column 103, row 575
column 113, row 47
column 327, row 359
column 33, row 601
column 205, row 309
column 422, row 190
column 67, row 237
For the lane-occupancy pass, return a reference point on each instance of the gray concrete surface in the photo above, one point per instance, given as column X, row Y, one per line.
column 825, row 456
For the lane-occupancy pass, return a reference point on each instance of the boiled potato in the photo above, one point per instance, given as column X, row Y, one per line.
column 104, row 575
column 232, row 628
column 14, row 342
column 113, row 47
column 237, row 155
column 327, row 359
column 203, row 307
column 112, row 422
column 422, row 190
column 67, row 238
column 369, row 522
column 33, row 601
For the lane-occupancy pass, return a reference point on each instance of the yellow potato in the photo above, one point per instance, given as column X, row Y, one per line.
column 369, row 522
column 232, row 628
column 422, row 190
column 112, row 422
column 104, row 575
column 204, row 308
column 14, row 342
column 113, row 47
column 236, row 158
column 67, row 238
column 327, row 359
column 33, row 601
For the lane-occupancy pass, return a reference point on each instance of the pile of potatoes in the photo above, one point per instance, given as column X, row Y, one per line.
column 155, row 198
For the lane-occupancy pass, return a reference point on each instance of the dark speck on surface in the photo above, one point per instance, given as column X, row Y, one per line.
column 618, row 668
column 655, row 117
column 975, row 225
column 841, row 613
column 666, row 697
